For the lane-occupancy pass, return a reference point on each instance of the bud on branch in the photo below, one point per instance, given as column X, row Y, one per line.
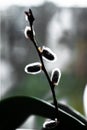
column 29, row 17
column 33, row 68
column 47, row 54
column 55, row 76
column 28, row 33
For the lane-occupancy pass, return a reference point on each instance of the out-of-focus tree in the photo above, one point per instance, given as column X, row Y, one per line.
column 81, row 42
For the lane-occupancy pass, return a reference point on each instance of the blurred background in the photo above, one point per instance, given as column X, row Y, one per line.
column 58, row 25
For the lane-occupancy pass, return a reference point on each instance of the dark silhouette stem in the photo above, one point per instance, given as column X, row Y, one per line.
column 50, row 83
column 46, row 73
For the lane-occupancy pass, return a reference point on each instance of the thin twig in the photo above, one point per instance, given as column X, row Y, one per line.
column 47, row 76
column 32, row 38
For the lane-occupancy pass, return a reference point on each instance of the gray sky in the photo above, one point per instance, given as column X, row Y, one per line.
column 64, row 3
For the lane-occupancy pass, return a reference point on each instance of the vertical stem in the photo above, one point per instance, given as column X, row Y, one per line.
column 50, row 83
column 45, row 71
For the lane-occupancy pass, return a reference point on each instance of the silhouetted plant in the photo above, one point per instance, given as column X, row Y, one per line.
column 44, row 53
column 15, row 110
